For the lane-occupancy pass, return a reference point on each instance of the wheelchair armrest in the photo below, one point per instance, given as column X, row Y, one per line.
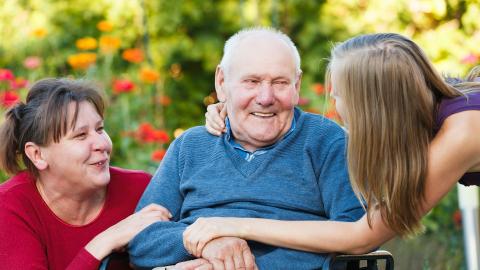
column 353, row 262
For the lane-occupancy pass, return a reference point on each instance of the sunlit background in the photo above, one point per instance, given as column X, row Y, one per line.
column 155, row 61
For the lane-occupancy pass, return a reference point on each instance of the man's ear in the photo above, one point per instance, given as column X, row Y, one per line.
column 298, row 85
column 220, row 84
column 34, row 153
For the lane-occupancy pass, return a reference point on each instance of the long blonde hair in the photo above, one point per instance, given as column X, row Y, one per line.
column 390, row 91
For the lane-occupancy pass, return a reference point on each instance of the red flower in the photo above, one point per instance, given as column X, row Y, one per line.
column 147, row 133
column 318, row 88
column 9, row 98
column 457, row 218
column 18, row 83
column 123, row 86
column 6, row 75
column 161, row 136
column 303, row 101
column 158, row 155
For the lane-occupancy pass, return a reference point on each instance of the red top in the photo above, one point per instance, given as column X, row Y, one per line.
column 33, row 237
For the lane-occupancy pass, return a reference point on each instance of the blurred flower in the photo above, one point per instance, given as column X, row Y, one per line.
column 134, row 55
column 82, row 60
column 208, row 100
column 457, row 218
column 39, row 32
column 312, row 110
column 32, row 62
column 470, row 59
column 331, row 114
column 104, row 26
column 18, row 83
column 164, row 100
column 318, row 88
column 87, row 43
column 303, row 101
column 8, row 98
column 148, row 75
column 175, row 71
column 123, row 86
column 147, row 133
column 158, row 155
column 109, row 44
column 6, row 75
column 178, row 132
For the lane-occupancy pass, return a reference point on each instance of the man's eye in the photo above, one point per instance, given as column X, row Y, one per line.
column 100, row 129
column 251, row 81
column 280, row 82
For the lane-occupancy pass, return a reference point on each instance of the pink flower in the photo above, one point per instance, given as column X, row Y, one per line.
column 32, row 62
column 6, row 75
column 303, row 101
column 8, row 98
column 470, row 59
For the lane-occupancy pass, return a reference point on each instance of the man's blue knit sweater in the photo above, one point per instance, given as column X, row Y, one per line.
column 303, row 177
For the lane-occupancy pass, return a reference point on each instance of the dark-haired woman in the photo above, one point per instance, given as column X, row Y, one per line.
column 68, row 209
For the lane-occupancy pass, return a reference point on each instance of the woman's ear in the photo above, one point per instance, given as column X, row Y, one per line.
column 220, row 84
column 34, row 153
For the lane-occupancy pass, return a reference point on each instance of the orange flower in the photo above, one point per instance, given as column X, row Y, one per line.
column 312, row 110
column 8, row 98
column 39, row 32
column 82, row 60
column 134, row 55
column 148, row 75
column 318, row 88
column 158, row 155
column 104, row 26
column 109, row 44
column 123, row 86
column 208, row 100
column 165, row 100
column 87, row 43
column 331, row 114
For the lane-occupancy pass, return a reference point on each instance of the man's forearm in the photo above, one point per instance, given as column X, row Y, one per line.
column 159, row 244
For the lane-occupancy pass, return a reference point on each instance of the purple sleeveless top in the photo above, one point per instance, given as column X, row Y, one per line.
column 454, row 105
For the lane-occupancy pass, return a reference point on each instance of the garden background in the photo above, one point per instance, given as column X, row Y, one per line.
column 155, row 61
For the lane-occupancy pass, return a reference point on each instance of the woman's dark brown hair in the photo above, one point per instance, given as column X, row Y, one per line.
column 43, row 119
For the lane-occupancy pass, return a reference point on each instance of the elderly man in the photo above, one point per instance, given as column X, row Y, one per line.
column 274, row 161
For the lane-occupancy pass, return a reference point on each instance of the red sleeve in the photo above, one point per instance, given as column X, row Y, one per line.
column 20, row 247
column 84, row 261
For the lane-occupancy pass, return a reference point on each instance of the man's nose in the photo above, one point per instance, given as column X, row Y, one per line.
column 265, row 96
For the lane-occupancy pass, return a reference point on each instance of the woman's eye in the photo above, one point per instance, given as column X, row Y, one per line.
column 100, row 129
column 81, row 135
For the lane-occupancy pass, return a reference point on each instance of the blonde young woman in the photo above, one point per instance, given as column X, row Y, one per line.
column 412, row 137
